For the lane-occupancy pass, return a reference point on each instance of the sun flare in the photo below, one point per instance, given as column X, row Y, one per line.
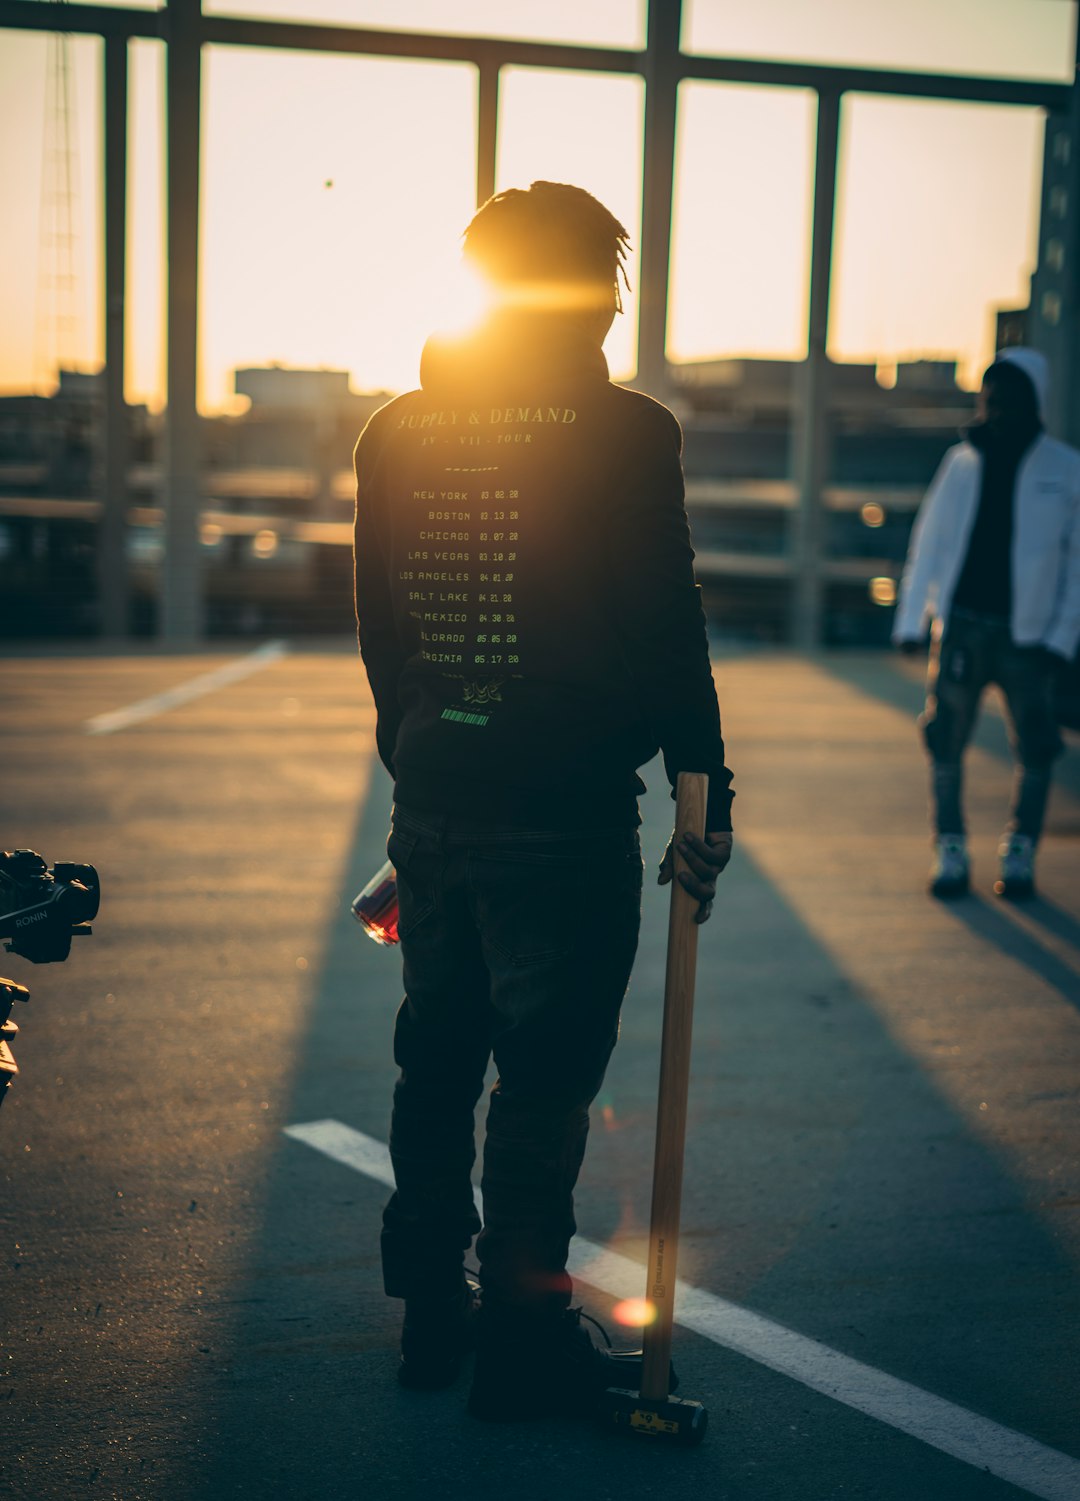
column 468, row 300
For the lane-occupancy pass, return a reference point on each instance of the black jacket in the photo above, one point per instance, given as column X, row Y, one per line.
column 525, row 595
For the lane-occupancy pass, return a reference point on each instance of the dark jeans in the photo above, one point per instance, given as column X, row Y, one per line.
column 517, row 945
column 974, row 652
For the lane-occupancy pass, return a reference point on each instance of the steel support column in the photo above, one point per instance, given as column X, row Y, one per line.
column 809, row 440
column 487, row 130
column 661, row 102
column 1054, row 315
column 112, row 579
column 1070, row 306
column 181, row 585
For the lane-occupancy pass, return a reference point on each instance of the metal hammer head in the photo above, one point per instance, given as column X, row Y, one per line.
column 673, row 1418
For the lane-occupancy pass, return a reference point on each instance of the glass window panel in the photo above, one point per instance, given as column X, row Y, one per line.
column 335, row 191
column 600, row 23
column 937, row 228
column 741, row 223
column 582, row 128
column 998, row 38
column 144, row 356
column 50, row 251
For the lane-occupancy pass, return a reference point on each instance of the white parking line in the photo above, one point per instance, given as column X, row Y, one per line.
column 1000, row 1451
column 183, row 693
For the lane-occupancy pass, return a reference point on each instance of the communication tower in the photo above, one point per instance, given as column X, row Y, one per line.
column 59, row 323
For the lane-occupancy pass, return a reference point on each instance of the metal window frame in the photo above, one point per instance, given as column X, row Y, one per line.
column 185, row 29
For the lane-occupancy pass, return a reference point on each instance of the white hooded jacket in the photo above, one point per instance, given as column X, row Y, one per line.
column 1045, row 540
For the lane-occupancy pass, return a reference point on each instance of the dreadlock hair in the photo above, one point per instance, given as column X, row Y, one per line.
column 553, row 240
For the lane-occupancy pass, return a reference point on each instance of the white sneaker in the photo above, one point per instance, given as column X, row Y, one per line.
column 950, row 873
column 1016, row 864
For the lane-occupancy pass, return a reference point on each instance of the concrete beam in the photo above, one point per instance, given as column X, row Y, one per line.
column 487, row 130
column 654, row 261
column 112, row 574
column 1054, row 315
column 100, row 20
column 810, row 434
column 1070, row 311
column 181, row 584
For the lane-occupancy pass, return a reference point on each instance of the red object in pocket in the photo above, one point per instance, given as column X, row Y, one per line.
column 376, row 907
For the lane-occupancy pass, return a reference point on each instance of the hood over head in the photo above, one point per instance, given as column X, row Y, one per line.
column 1035, row 366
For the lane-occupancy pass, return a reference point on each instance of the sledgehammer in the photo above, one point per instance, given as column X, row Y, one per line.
column 654, row 1412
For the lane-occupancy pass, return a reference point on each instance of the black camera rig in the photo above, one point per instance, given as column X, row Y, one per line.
column 41, row 910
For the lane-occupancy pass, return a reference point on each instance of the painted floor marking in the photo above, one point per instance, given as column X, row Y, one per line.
column 183, row 693
column 977, row 1441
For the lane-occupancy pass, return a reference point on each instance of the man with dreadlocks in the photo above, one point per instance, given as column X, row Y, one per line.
column 532, row 633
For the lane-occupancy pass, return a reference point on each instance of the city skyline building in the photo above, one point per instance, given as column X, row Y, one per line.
column 844, row 166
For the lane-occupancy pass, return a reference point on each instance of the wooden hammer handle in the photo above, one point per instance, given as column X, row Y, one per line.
column 692, row 793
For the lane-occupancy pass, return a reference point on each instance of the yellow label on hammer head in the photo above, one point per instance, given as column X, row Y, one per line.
column 651, row 1422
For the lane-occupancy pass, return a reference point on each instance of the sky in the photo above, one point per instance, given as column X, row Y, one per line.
column 335, row 189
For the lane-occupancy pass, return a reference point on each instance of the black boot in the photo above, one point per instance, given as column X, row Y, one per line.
column 437, row 1335
column 545, row 1365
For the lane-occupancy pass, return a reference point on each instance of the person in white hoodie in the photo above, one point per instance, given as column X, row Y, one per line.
column 994, row 564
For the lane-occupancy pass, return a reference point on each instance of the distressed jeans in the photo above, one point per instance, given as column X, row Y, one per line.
column 518, row 946
column 974, row 652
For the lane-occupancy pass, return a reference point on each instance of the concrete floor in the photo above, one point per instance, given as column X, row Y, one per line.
column 883, row 1119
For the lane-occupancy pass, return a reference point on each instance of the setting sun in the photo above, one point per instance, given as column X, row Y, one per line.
column 335, row 190
column 467, row 299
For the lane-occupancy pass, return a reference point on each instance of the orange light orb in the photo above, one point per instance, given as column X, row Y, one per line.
column 634, row 1313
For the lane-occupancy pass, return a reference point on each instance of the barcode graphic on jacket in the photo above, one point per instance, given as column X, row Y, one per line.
column 460, row 717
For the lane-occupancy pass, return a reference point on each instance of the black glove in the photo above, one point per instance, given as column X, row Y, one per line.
column 909, row 648
column 705, row 859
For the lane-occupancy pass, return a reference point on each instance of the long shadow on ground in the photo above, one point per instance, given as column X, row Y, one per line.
column 998, row 927
column 881, row 677
column 829, row 1185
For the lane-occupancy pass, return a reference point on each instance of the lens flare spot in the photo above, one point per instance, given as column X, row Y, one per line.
column 634, row 1313
column 608, row 1113
column 467, row 301
column 873, row 514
